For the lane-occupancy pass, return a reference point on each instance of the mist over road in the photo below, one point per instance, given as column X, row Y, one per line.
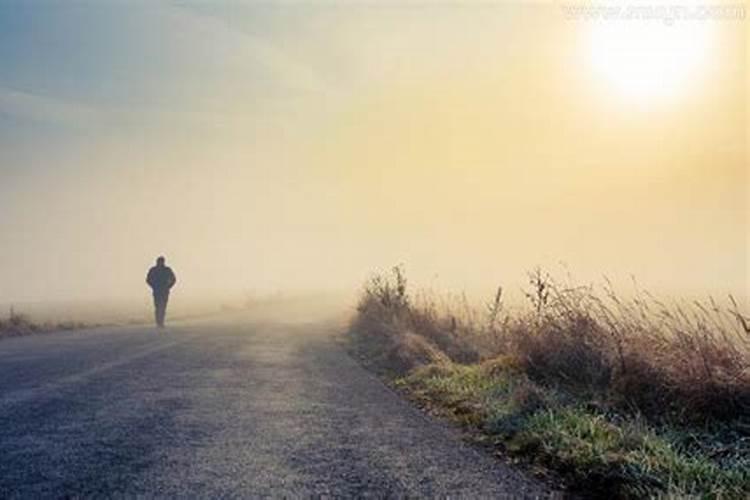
column 245, row 406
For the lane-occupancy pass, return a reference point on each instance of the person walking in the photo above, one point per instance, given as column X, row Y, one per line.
column 161, row 279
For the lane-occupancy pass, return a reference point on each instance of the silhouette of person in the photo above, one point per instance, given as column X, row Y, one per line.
column 161, row 279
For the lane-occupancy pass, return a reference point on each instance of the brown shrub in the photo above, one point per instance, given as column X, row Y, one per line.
column 642, row 385
column 691, row 359
column 499, row 365
column 16, row 325
column 529, row 397
column 410, row 351
column 445, row 332
column 571, row 354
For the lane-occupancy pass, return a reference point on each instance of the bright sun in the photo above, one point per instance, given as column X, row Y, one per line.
column 644, row 60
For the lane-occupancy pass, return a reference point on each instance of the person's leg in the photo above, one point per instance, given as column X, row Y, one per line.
column 162, row 309
column 156, row 309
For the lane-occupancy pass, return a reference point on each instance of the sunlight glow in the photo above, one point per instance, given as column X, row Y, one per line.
column 644, row 60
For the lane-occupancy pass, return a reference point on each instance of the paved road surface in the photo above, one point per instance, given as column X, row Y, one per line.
column 241, row 407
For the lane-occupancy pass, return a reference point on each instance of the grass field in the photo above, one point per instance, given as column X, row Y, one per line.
column 628, row 397
column 16, row 325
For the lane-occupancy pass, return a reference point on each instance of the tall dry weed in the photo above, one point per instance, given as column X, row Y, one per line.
column 689, row 359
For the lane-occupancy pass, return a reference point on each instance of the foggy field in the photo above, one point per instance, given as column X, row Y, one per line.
column 45, row 317
column 48, row 316
column 624, row 396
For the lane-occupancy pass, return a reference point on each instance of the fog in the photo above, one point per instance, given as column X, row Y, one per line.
column 297, row 148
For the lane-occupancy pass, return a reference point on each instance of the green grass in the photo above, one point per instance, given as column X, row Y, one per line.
column 595, row 452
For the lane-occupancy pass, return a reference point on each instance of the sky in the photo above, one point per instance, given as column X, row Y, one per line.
column 292, row 146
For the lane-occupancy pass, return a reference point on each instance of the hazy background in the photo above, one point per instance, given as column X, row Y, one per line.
column 302, row 146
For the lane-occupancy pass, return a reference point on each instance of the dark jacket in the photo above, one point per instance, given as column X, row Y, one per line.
column 161, row 279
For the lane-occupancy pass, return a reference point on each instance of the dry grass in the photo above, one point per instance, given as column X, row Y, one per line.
column 17, row 325
column 688, row 359
column 625, row 396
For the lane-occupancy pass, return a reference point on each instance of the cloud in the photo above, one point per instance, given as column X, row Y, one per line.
column 163, row 64
column 45, row 109
column 286, row 71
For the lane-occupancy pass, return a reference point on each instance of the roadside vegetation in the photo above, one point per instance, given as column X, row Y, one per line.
column 16, row 325
column 626, row 397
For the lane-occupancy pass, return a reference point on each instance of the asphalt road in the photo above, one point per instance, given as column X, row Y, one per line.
column 240, row 407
